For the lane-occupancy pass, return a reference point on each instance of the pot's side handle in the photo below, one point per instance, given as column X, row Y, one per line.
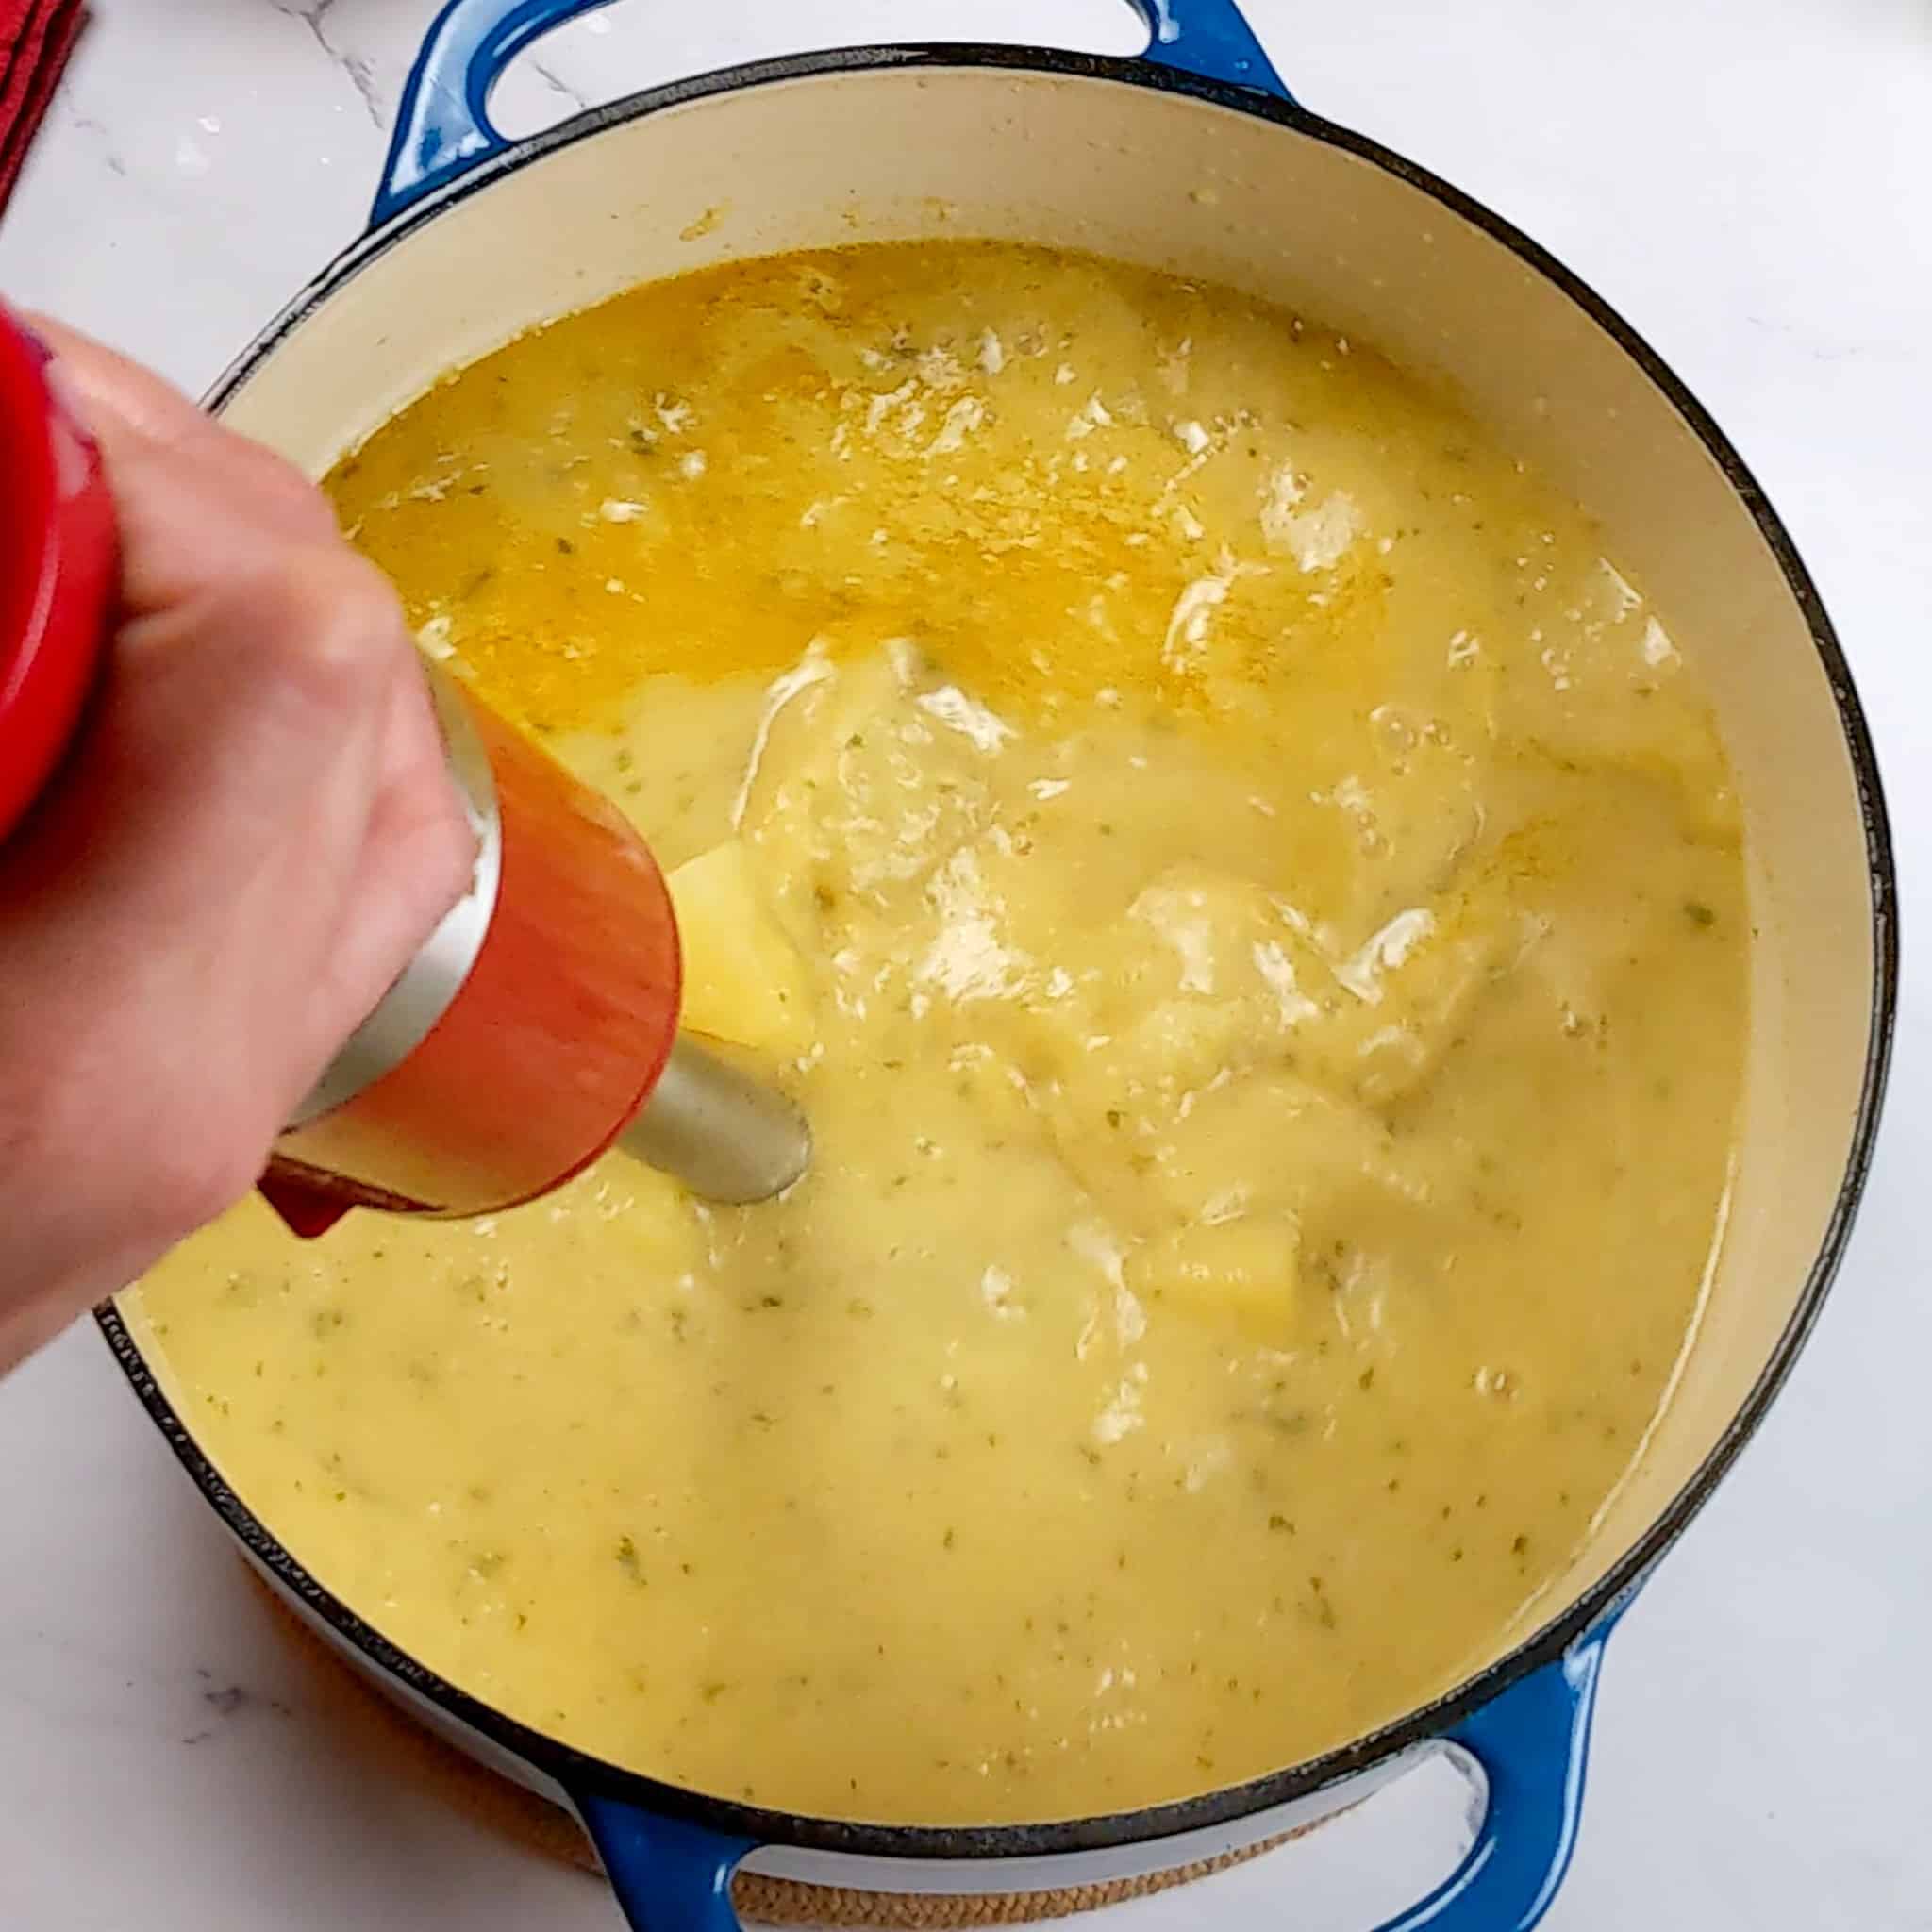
column 1212, row 39
column 442, row 123
column 668, row 1875
column 443, row 128
column 1531, row 1745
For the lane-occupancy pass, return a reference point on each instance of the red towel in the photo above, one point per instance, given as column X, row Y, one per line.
column 35, row 37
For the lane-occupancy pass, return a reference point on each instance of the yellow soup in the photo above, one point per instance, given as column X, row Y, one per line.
column 1252, row 902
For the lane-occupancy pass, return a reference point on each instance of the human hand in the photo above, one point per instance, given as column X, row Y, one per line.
column 254, row 837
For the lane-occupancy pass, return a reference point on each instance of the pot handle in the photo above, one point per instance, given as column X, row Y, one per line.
column 443, row 128
column 1530, row 1743
column 443, row 122
column 1210, row 38
column 668, row 1875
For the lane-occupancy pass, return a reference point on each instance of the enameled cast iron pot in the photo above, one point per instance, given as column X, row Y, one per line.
column 1192, row 157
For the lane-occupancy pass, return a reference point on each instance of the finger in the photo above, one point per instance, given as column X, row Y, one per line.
column 418, row 855
column 135, row 414
column 219, row 716
column 175, row 918
column 120, row 397
column 195, row 522
column 191, row 529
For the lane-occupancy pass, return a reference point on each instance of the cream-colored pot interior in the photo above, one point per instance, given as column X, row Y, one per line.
column 1178, row 183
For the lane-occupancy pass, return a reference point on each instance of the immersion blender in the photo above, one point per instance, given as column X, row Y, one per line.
column 537, row 1024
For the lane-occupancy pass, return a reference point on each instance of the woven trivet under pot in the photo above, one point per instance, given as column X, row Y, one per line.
column 540, row 1826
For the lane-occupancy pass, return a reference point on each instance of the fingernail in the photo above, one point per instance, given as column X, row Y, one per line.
column 37, row 348
column 61, row 392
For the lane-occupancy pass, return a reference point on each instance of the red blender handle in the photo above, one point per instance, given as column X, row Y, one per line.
column 558, row 1010
column 59, row 558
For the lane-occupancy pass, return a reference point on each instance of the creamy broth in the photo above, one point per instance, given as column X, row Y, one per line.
column 1252, row 901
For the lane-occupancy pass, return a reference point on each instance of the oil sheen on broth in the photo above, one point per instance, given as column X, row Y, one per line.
column 1253, row 904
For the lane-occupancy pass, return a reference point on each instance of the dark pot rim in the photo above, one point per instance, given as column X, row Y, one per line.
column 578, row 1773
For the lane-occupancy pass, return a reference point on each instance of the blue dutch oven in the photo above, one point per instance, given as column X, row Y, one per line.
column 1193, row 158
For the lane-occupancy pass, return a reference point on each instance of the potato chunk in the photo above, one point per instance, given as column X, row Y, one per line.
column 744, row 980
column 1244, row 1268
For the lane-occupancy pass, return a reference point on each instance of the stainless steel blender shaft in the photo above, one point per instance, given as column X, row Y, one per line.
column 726, row 1136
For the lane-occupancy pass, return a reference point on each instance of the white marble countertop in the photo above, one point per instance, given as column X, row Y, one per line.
column 1750, row 181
